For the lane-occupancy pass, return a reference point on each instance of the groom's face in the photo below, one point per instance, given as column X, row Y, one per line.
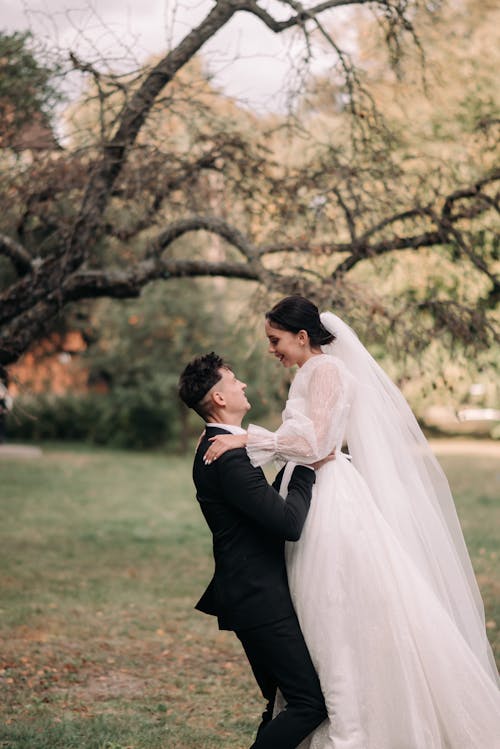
column 229, row 393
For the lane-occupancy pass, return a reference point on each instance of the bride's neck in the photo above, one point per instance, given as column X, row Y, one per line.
column 308, row 355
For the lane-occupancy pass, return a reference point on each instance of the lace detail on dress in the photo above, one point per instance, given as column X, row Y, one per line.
column 314, row 418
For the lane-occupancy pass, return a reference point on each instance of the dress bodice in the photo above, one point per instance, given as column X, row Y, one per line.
column 314, row 419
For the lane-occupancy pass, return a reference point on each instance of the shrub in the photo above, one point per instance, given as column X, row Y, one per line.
column 122, row 418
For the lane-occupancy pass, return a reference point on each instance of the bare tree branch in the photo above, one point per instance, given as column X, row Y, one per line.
column 129, row 283
column 347, row 212
column 97, row 193
column 76, row 213
column 474, row 191
column 302, row 14
column 17, row 336
column 362, row 252
column 17, row 254
column 131, row 120
column 208, row 223
column 467, row 323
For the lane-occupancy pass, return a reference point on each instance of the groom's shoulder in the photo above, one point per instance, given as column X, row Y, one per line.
column 232, row 466
column 208, row 433
column 232, row 457
column 205, row 443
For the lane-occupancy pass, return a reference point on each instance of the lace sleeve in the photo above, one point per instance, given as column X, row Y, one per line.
column 311, row 427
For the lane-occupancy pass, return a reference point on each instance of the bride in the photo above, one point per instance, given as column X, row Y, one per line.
column 381, row 579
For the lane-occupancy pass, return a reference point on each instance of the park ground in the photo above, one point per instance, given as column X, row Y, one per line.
column 102, row 556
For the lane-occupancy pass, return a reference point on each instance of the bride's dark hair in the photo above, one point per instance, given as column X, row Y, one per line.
column 294, row 313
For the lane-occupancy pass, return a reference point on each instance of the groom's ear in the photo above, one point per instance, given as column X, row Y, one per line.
column 218, row 398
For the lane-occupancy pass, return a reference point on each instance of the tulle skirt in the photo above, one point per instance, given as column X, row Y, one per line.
column 395, row 671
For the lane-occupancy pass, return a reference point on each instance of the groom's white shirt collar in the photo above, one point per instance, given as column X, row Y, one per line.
column 229, row 428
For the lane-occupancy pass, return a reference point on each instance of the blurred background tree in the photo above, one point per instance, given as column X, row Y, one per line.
column 376, row 195
column 28, row 89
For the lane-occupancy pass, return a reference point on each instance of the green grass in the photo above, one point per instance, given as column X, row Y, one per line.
column 102, row 556
column 475, row 481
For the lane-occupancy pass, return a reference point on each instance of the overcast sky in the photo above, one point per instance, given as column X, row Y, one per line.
column 120, row 29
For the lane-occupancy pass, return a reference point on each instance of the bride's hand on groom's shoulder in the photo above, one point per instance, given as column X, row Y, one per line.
column 221, row 444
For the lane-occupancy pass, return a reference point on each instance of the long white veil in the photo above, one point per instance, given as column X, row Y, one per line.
column 390, row 451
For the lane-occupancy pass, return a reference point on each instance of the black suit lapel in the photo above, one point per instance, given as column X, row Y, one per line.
column 212, row 431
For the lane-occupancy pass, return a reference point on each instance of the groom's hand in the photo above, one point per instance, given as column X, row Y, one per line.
column 322, row 462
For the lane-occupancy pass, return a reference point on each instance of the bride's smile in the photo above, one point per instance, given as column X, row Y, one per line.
column 289, row 348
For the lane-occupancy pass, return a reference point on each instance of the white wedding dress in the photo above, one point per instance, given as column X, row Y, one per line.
column 396, row 636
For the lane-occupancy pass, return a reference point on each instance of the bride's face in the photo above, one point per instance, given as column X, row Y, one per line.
column 289, row 348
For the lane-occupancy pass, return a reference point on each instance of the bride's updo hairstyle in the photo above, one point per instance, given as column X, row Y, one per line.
column 295, row 313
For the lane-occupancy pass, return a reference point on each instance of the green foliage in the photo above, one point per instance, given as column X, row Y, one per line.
column 121, row 418
column 495, row 432
column 141, row 346
column 26, row 84
column 138, row 349
column 304, row 185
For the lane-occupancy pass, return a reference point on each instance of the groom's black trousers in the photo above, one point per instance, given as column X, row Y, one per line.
column 280, row 659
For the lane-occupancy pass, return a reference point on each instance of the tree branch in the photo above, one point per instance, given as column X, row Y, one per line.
column 301, row 16
column 362, row 252
column 129, row 283
column 99, row 187
column 473, row 191
column 203, row 223
column 444, row 232
column 17, row 254
column 418, row 212
column 324, row 248
column 147, row 177
column 118, row 284
column 347, row 212
column 466, row 323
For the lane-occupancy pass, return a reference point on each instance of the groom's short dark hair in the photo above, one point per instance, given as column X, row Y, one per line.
column 197, row 378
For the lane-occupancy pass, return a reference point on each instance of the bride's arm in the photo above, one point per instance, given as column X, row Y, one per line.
column 224, row 442
column 303, row 437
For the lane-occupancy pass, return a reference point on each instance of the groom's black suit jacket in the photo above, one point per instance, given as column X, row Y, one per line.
column 250, row 522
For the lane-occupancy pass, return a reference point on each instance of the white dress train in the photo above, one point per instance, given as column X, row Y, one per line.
column 396, row 670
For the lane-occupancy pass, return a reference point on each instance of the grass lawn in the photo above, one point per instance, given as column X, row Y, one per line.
column 102, row 556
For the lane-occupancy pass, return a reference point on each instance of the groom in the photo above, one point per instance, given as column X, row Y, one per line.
column 250, row 522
